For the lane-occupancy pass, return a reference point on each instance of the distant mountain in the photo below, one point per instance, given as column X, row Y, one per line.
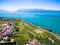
column 3, row 11
column 31, row 11
column 37, row 11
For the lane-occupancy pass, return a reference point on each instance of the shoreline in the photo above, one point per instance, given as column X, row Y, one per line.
column 49, row 30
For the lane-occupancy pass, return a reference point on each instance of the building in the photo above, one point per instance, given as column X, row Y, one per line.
column 35, row 42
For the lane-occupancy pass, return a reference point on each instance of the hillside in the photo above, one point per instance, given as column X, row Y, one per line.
column 26, row 32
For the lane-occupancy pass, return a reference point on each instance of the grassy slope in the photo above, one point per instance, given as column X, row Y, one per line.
column 27, row 32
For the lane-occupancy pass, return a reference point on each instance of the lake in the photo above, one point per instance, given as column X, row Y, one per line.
column 47, row 20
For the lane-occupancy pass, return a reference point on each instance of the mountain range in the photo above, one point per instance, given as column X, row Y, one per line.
column 37, row 11
column 32, row 11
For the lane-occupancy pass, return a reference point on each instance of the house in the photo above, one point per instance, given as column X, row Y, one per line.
column 35, row 42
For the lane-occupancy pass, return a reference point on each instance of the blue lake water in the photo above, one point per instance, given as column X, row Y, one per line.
column 47, row 20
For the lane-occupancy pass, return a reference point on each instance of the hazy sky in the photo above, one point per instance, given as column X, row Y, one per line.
column 12, row 5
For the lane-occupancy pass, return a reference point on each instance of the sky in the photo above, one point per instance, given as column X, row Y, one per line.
column 12, row 5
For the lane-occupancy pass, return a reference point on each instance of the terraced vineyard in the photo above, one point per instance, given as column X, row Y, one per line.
column 26, row 32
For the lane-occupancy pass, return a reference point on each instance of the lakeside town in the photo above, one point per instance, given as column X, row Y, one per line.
column 7, row 30
column 19, row 32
